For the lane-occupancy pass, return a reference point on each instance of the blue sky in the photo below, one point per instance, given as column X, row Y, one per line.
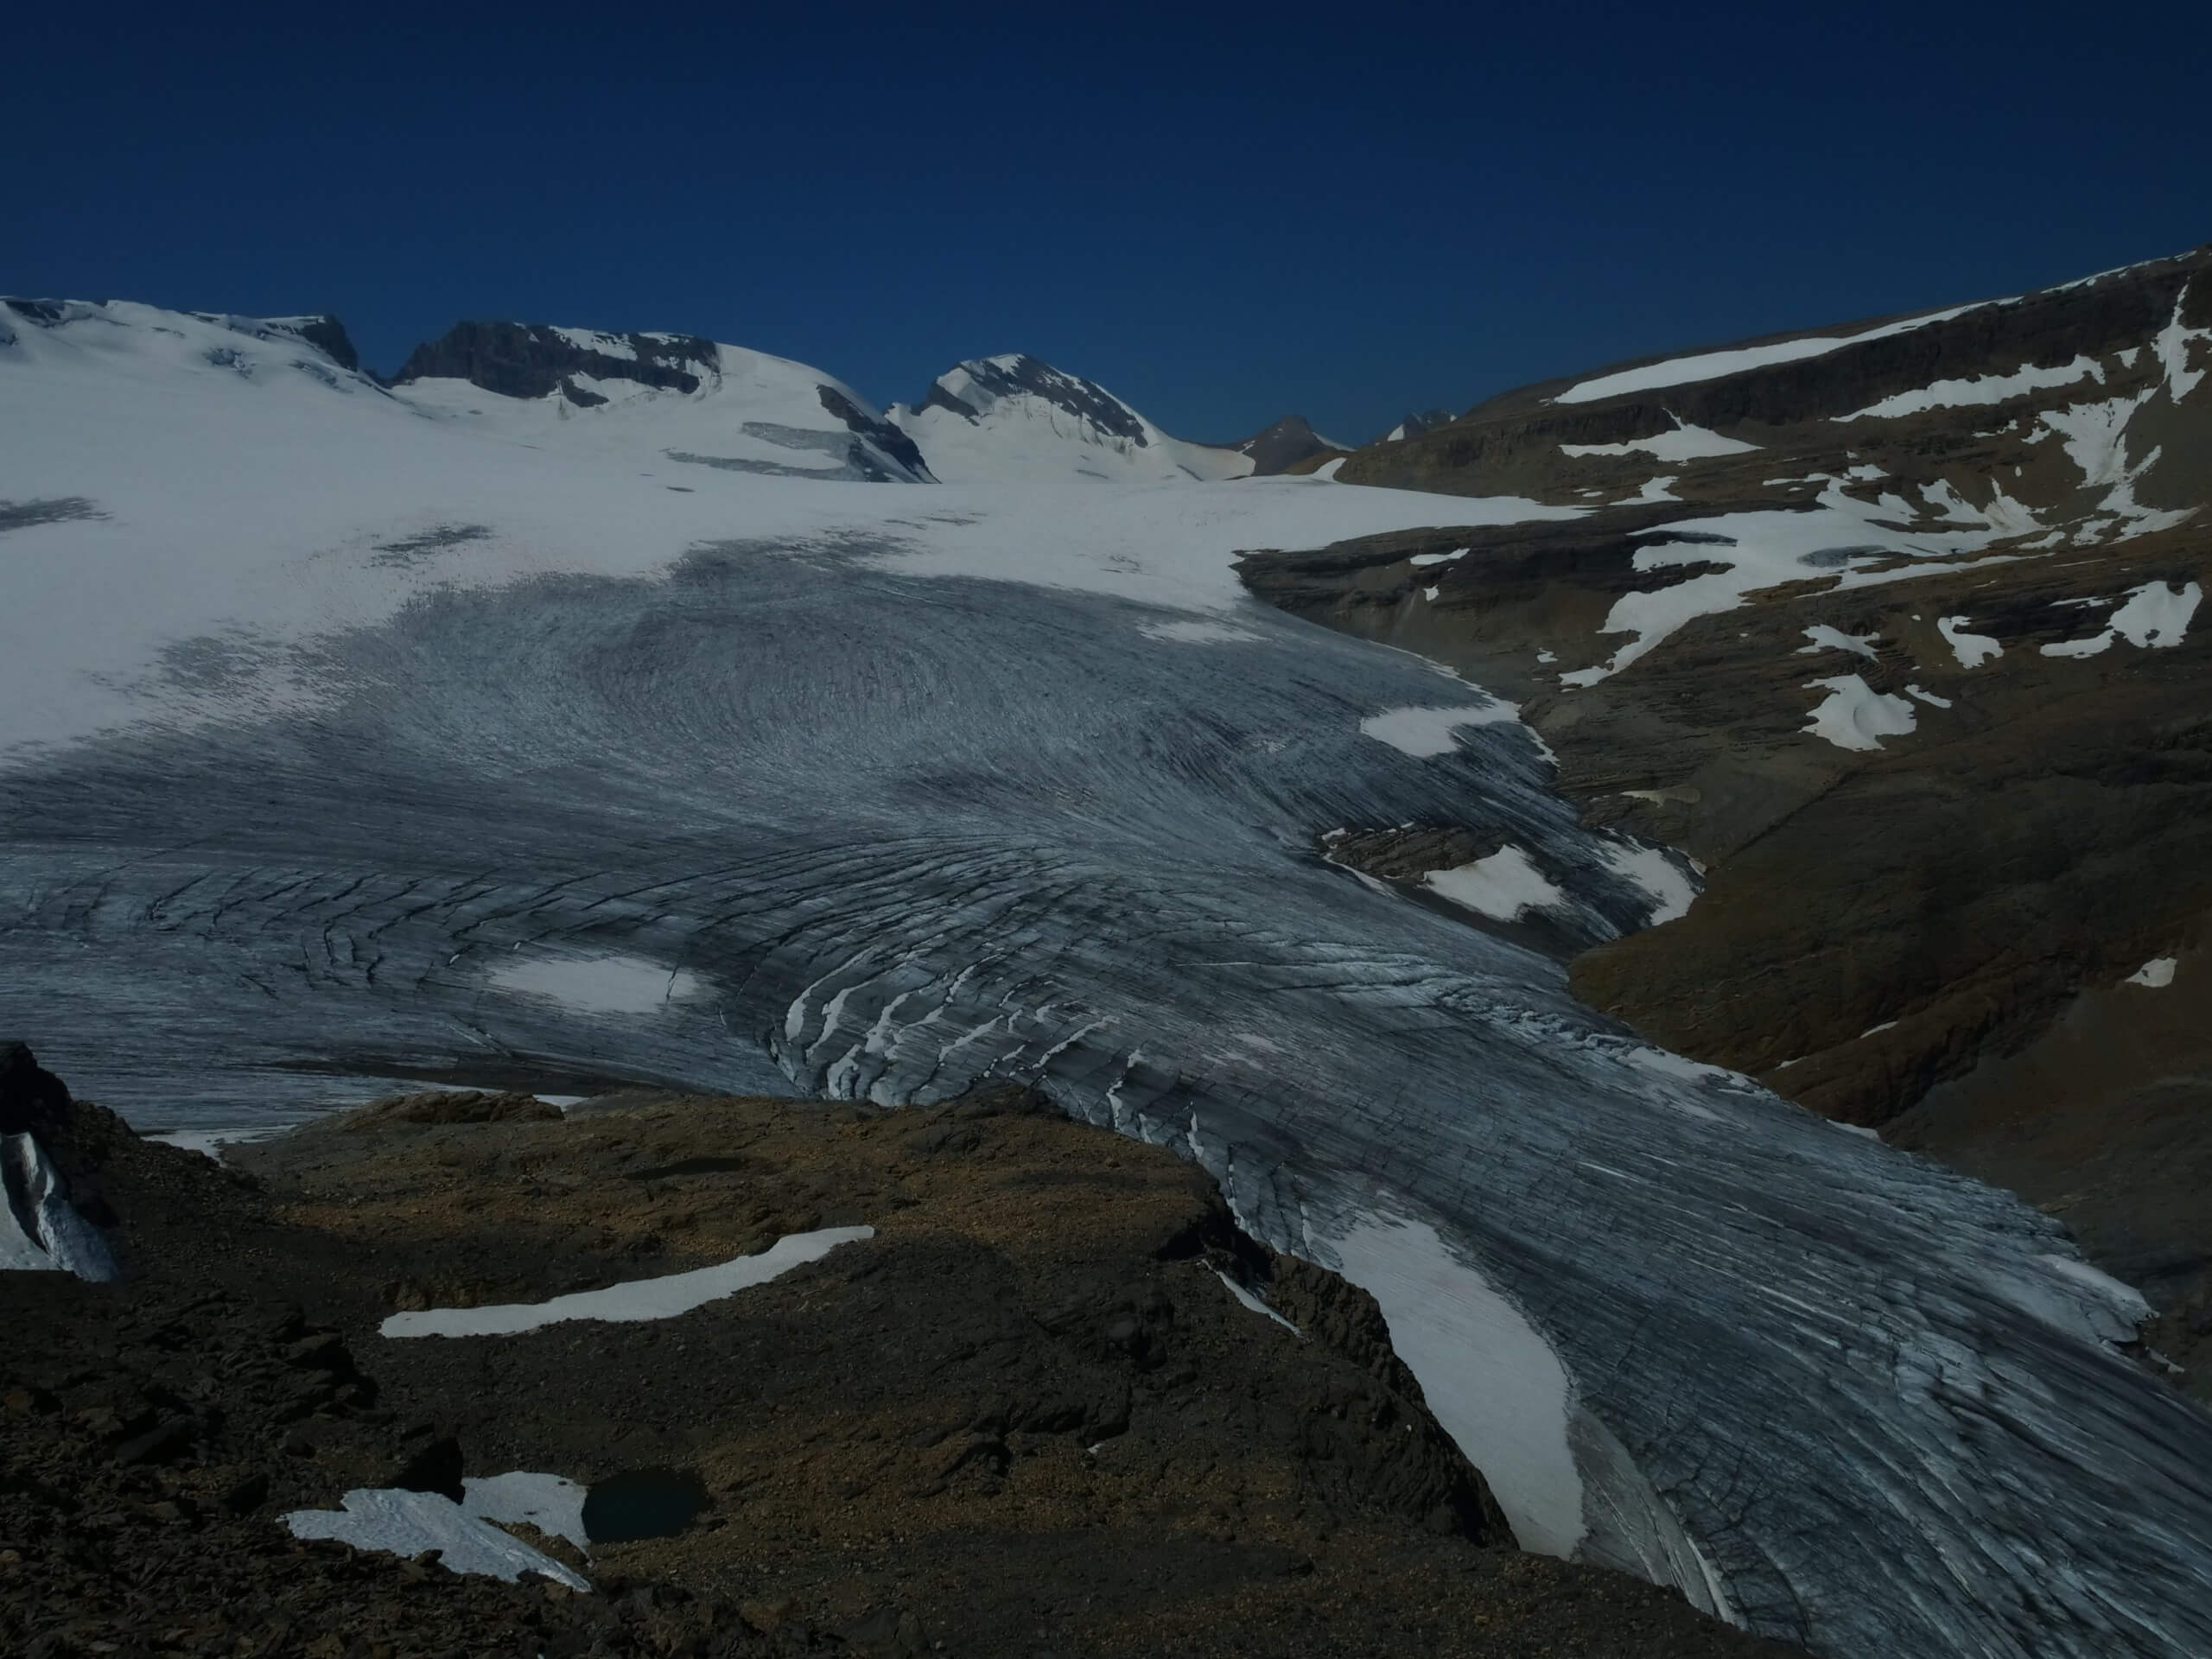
column 1223, row 215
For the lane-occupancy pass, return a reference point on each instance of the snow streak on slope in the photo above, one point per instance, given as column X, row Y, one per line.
column 1714, row 366
column 910, row 786
column 1012, row 416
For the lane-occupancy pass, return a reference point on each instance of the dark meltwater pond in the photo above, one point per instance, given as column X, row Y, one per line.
column 642, row 1504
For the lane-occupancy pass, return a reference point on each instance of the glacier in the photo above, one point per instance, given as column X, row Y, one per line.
column 905, row 786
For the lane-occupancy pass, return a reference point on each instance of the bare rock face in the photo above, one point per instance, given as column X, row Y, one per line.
column 535, row 361
column 1894, row 627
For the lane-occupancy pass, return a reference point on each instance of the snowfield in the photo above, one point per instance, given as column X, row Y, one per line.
column 323, row 710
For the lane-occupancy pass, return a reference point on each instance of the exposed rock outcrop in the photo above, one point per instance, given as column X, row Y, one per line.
column 537, row 359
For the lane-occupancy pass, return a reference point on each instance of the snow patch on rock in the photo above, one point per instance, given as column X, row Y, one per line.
column 2156, row 617
column 1671, row 891
column 664, row 1297
column 1714, row 366
column 1977, row 389
column 1854, row 716
column 1426, row 732
column 1971, row 649
column 406, row 1523
column 1491, row 1379
column 1685, row 443
column 1504, row 886
column 1246, row 1299
column 1824, row 638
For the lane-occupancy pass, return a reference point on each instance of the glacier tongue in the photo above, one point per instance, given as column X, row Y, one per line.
column 894, row 820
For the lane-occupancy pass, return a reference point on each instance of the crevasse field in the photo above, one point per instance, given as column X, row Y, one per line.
column 347, row 735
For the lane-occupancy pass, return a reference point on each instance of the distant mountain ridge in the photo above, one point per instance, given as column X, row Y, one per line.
column 1010, row 416
column 1015, row 415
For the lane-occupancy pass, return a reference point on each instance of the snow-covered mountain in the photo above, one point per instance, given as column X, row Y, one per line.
column 674, row 397
column 1014, row 416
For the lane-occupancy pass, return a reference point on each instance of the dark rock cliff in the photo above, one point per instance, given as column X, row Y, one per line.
column 518, row 359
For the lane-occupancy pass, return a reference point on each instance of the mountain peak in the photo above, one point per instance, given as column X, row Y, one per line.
column 1287, row 444
column 748, row 411
column 1014, row 414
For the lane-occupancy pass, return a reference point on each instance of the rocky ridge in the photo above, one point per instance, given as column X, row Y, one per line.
column 1027, row 1416
column 1912, row 668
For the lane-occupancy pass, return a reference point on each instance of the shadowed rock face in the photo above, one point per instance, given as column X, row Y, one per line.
column 993, row 377
column 1283, row 445
column 881, row 837
column 328, row 335
column 1416, row 425
column 1929, row 929
column 880, row 432
column 535, row 360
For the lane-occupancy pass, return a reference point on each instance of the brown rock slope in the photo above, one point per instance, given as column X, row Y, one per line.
column 1027, row 1416
column 1921, row 684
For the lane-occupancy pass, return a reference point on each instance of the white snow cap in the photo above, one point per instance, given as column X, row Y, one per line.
column 1015, row 416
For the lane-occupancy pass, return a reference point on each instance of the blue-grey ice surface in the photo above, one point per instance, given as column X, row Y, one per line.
column 880, row 829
